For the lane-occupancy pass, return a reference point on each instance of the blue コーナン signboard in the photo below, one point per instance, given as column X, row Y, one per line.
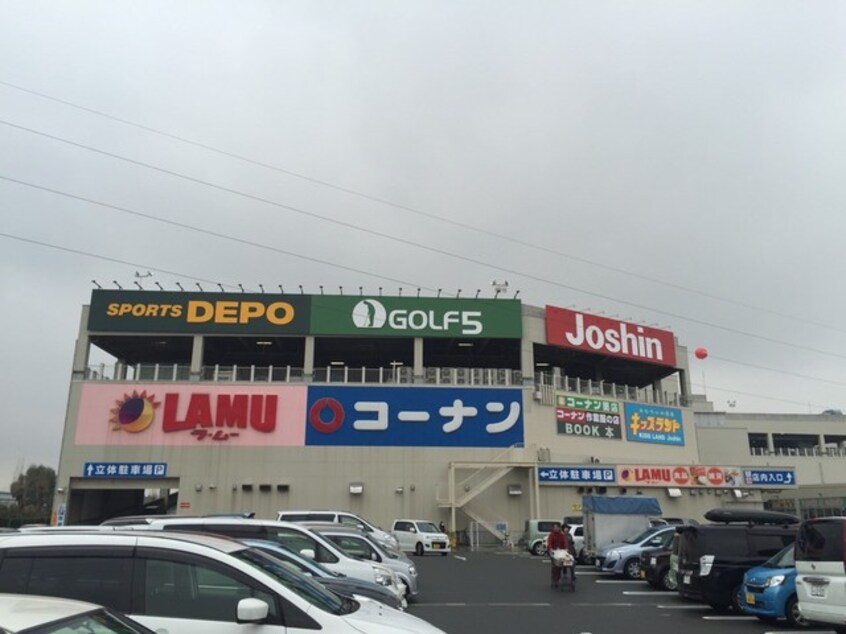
column 414, row 417
column 564, row 474
column 769, row 477
column 654, row 424
column 125, row 470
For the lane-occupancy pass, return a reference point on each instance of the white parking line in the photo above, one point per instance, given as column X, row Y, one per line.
column 730, row 618
column 616, row 580
column 613, row 605
column 684, row 607
column 487, row 605
column 650, row 593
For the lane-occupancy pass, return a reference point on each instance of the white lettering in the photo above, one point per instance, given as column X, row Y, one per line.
column 470, row 325
column 615, row 340
column 418, row 320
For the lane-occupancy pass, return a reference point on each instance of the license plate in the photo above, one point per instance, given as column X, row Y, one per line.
column 750, row 598
column 653, row 561
column 643, row 574
column 436, row 546
column 686, row 579
column 817, row 590
column 598, row 564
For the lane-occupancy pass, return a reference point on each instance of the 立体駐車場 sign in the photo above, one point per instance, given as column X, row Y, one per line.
column 124, row 470
column 586, row 416
column 414, row 417
column 213, row 313
column 416, row 317
column 654, row 424
column 574, row 474
column 609, row 337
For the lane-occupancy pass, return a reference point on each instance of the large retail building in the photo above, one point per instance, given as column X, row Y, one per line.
column 481, row 413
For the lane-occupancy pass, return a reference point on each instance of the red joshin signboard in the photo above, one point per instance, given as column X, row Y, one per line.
column 581, row 331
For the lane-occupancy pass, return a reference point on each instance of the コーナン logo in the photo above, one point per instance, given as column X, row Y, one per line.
column 134, row 413
column 369, row 313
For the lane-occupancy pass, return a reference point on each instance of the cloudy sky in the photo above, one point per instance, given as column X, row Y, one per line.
column 679, row 163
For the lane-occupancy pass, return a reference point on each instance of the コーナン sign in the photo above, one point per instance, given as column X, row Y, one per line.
column 591, row 333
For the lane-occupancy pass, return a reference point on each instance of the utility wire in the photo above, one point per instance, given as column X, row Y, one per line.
column 417, row 245
column 709, row 388
column 420, row 212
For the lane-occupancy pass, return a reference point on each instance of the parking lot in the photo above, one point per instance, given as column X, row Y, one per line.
column 506, row 593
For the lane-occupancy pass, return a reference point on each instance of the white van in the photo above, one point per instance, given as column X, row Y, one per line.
column 190, row 584
column 821, row 571
column 341, row 517
column 421, row 537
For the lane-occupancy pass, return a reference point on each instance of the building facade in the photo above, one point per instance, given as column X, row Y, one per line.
column 481, row 413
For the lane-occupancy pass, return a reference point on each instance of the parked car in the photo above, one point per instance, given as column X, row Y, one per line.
column 334, row 581
column 769, row 590
column 623, row 558
column 655, row 567
column 191, row 584
column 420, row 537
column 341, row 517
column 536, row 534
column 294, row 536
column 714, row 557
column 23, row 614
column 821, row 571
column 359, row 544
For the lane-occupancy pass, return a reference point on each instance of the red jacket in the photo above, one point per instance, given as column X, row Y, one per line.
column 557, row 541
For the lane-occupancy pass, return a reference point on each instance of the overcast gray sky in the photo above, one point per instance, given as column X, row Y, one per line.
column 694, row 150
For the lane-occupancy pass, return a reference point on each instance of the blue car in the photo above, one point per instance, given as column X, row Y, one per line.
column 769, row 591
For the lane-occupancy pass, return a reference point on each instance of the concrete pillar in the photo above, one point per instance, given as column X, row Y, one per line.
column 81, row 350
column 308, row 361
column 197, row 358
column 527, row 361
column 770, row 443
column 419, row 376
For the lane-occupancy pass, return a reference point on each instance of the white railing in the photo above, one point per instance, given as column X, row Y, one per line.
column 810, row 452
column 289, row 374
column 549, row 382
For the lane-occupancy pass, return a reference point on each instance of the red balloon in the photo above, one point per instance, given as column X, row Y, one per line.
column 701, row 352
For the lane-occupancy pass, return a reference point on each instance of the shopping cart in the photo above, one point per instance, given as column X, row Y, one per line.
column 563, row 559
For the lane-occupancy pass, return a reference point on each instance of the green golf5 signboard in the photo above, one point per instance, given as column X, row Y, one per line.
column 260, row 314
column 416, row 317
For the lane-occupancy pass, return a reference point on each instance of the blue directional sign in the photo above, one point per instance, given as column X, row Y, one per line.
column 567, row 474
column 125, row 470
column 769, row 477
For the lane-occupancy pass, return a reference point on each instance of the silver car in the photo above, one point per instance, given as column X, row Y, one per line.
column 359, row 544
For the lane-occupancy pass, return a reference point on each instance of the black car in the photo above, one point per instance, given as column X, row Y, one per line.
column 714, row 557
column 655, row 568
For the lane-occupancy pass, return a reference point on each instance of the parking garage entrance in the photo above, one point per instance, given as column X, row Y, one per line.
column 92, row 502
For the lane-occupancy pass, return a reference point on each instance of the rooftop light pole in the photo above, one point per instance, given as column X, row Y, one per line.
column 116, row 284
column 96, row 283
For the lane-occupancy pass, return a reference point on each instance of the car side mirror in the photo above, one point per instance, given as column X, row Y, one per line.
column 307, row 552
column 412, row 530
column 252, row 610
column 374, row 557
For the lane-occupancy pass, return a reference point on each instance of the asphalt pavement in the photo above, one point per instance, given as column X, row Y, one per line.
column 509, row 593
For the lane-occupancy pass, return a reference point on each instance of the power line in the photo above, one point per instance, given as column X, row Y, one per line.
column 349, row 225
column 89, row 254
column 761, row 396
column 788, row 373
column 419, row 212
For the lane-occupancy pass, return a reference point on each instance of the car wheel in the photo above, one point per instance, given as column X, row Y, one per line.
column 793, row 615
column 631, row 568
column 669, row 581
column 539, row 549
column 418, row 549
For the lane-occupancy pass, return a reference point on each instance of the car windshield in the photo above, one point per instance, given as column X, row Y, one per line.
column 783, row 559
column 101, row 622
column 639, row 538
column 303, row 564
column 301, row 585
column 427, row 527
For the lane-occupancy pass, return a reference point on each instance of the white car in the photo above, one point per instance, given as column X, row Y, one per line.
column 22, row 614
column 421, row 537
column 344, row 518
column 821, row 571
column 190, row 584
column 293, row 536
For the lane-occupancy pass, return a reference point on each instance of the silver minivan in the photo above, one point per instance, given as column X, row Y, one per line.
column 361, row 545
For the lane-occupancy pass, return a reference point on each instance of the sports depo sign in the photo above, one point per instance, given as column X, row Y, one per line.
column 591, row 333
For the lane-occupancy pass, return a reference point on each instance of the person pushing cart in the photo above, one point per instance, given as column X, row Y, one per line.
column 562, row 562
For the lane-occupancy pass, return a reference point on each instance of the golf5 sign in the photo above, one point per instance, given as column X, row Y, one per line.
column 415, row 317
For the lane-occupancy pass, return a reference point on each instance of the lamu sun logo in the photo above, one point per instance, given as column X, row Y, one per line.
column 134, row 413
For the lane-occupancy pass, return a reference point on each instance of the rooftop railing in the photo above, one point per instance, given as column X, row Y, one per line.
column 156, row 372
column 810, row 452
column 547, row 383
